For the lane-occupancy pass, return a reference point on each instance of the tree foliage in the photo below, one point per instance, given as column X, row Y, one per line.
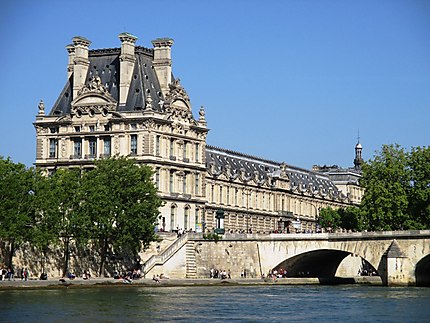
column 115, row 206
column 122, row 204
column 16, row 204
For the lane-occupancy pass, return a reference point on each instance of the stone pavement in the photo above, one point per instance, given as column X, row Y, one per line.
column 53, row 283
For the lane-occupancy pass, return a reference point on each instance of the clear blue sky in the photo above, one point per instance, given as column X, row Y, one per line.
column 285, row 80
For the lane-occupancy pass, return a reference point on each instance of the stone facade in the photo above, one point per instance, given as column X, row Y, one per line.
column 125, row 101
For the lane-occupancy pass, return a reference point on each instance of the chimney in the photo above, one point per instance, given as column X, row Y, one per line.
column 71, row 50
column 81, row 63
column 163, row 62
column 126, row 68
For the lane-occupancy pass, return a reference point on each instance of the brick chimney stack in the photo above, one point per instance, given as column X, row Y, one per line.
column 163, row 62
column 127, row 60
column 81, row 63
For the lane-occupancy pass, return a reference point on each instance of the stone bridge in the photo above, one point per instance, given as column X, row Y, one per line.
column 398, row 257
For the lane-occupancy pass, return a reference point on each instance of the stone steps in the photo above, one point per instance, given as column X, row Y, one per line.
column 190, row 260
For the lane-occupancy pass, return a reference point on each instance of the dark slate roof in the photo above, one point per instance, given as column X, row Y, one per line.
column 105, row 64
column 219, row 160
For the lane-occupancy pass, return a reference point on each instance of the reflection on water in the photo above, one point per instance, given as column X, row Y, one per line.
column 252, row 303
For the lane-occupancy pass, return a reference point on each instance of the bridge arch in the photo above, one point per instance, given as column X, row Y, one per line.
column 320, row 263
column 422, row 272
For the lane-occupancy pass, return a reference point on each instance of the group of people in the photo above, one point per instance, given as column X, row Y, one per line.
column 9, row 274
column 221, row 274
column 128, row 276
column 157, row 278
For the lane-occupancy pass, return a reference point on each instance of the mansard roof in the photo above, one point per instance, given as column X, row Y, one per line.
column 105, row 63
column 235, row 165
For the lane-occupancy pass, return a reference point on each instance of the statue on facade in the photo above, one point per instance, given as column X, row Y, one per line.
column 41, row 108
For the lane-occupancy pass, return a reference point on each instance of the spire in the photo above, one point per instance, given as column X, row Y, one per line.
column 358, row 160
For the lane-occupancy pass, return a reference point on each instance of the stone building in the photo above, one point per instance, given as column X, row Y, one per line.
column 126, row 101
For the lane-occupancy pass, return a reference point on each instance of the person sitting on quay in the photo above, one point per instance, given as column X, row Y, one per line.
column 156, row 278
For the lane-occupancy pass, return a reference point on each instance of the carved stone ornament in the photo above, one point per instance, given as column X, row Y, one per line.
column 149, row 124
column 41, row 108
column 148, row 102
column 177, row 92
column 94, row 85
column 93, row 98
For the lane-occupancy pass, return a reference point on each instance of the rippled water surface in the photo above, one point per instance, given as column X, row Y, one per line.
column 198, row 304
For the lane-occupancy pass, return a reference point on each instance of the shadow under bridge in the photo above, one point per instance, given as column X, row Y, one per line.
column 319, row 264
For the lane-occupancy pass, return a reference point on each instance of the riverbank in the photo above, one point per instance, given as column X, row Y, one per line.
column 146, row 282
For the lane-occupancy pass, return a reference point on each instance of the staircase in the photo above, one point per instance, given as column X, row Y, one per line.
column 162, row 258
column 190, row 260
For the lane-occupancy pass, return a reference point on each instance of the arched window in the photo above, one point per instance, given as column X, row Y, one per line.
column 172, row 217
column 186, row 217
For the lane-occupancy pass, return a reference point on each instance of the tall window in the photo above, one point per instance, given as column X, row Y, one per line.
column 220, row 194
column 77, row 148
column 197, row 152
column 52, row 148
column 107, row 146
column 212, row 193
column 172, row 217
column 228, row 195
column 235, row 196
column 92, row 143
column 186, row 216
column 171, row 183
column 184, row 184
column 196, row 189
column 133, row 144
column 196, row 218
column 185, row 150
column 172, row 145
column 157, row 145
column 157, row 178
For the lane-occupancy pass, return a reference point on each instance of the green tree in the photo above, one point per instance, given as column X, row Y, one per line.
column 351, row 218
column 419, row 186
column 385, row 181
column 16, row 204
column 122, row 203
column 329, row 218
column 59, row 217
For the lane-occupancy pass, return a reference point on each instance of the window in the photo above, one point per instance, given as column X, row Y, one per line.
column 92, row 128
column 157, row 145
column 184, row 184
column 212, row 193
column 77, row 128
column 52, row 148
column 133, row 144
column 220, row 194
column 185, row 150
column 172, row 217
column 107, row 127
column 53, row 130
column 77, row 148
column 228, row 195
column 196, row 189
column 171, row 148
column 171, row 183
column 92, row 145
column 107, row 146
column 186, row 216
column 196, row 218
column 235, row 196
column 157, row 178
column 197, row 152
column 133, row 126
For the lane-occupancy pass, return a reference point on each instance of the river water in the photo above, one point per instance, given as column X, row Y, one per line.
column 352, row 303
